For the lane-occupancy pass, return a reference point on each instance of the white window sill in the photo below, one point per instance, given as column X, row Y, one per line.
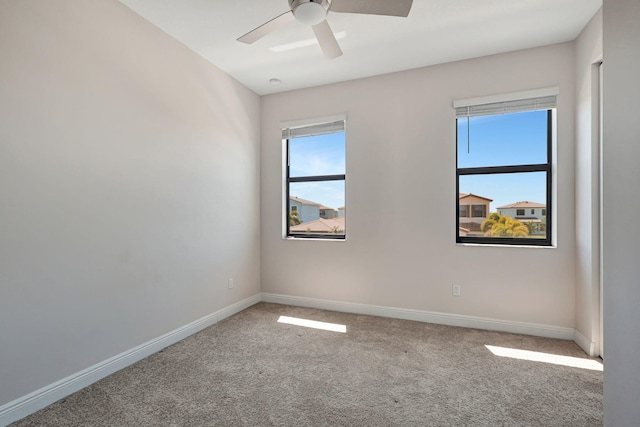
column 313, row 239
column 484, row 245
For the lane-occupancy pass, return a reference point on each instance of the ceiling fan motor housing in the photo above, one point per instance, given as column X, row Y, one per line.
column 310, row 12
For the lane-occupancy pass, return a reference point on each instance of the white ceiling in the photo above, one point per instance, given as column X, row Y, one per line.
column 436, row 31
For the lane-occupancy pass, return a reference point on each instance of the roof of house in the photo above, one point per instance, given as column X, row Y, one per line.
column 523, row 204
column 326, row 207
column 321, row 225
column 303, row 201
column 463, row 195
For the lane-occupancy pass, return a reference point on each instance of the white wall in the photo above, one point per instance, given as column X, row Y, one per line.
column 401, row 152
column 588, row 54
column 621, row 265
column 129, row 187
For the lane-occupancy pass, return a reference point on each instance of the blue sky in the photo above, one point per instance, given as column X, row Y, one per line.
column 498, row 140
column 319, row 155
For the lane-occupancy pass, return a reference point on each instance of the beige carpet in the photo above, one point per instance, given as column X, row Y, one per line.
column 251, row 370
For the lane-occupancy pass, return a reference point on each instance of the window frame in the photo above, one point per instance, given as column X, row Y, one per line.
column 546, row 167
column 316, row 178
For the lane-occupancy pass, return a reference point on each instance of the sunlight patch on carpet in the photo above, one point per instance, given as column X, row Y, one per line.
column 536, row 356
column 333, row 327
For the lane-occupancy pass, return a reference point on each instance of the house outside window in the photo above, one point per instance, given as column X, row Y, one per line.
column 305, row 210
column 315, row 179
column 472, row 213
column 504, row 152
column 535, row 221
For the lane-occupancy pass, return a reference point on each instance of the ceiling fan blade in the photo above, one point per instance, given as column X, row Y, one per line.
column 373, row 7
column 266, row 28
column 327, row 40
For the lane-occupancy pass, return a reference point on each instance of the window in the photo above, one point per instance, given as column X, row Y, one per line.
column 479, row 211
column 315, row 179
column 504, row 152
column 463, row 211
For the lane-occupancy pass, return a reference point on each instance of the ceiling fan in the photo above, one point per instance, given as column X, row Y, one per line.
column 314, row 13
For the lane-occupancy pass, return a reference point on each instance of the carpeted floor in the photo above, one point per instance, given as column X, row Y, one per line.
column 251, row 370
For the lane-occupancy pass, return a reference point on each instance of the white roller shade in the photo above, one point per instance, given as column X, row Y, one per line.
column 542, row 99
column 295, row 130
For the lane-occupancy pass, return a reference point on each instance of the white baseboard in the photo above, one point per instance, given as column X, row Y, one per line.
column 534, row 329
column 584, row 343
column 51, row 393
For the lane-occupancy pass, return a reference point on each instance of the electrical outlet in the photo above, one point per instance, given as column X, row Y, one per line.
column 456, row 290
column 230, row 283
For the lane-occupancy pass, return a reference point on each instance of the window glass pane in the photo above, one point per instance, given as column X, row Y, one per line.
column 317, row 155
column 509, row 199
column 320, row 207
column 502, row 140
column 479, row 211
